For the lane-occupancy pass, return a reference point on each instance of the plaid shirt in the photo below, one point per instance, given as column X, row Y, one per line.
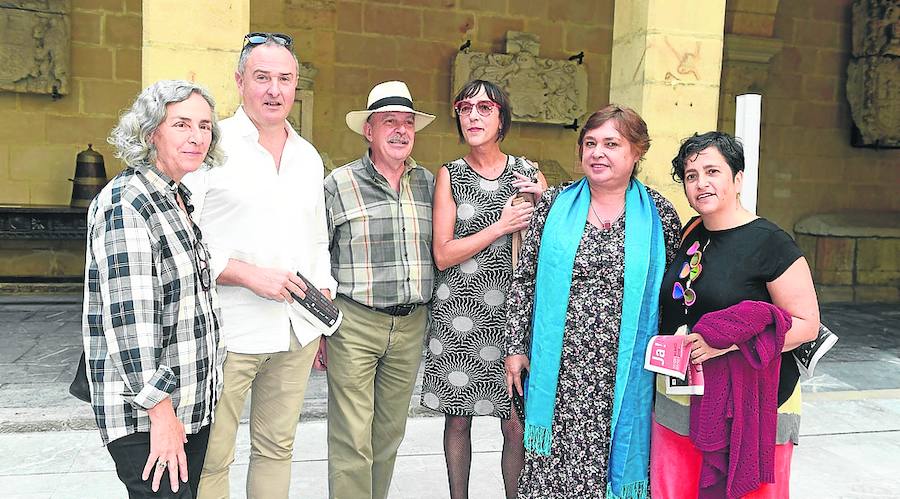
column 150, row 330
column 380, row 239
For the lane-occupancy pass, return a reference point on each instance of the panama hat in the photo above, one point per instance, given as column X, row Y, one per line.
column 385, row 97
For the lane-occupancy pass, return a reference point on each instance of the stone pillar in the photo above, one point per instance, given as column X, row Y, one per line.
column 667, row 64
column 198, row 41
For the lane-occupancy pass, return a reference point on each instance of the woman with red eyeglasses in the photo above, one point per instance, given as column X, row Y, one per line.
column 480, row 202
column 744, row 290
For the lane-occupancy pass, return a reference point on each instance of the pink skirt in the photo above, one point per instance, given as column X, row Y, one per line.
column 675, row 468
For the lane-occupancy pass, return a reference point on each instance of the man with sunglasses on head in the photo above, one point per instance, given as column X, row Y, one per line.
column 379, row 222
column 264, row 215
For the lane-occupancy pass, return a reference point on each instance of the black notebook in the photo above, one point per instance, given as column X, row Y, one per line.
column 317, row 309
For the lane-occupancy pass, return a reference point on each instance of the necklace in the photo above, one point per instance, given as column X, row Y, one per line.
column 690, row 272
column 607, row 224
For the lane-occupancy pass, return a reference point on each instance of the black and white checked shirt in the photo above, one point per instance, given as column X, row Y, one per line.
column 150, row 330
column 380, row 239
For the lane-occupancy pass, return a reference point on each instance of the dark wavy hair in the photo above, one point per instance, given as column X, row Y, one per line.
column 727, row 145
column 496, row 94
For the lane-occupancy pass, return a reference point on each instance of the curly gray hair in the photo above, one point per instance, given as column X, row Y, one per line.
column 131, row 136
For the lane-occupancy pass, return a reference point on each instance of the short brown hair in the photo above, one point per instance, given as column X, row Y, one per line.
column 628, row 123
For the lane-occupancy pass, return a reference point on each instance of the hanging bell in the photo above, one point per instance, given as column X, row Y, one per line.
column 90, row 177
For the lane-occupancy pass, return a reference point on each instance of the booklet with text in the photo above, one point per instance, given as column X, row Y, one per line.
column 691, row 385
column 671, row 355
column 668, row 354
column 316, row 309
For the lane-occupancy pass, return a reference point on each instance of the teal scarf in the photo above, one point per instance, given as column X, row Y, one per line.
column 633, row 396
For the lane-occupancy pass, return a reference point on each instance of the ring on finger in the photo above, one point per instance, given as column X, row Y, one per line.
column 161, row 464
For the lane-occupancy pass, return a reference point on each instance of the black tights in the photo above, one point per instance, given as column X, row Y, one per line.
column 458, row 453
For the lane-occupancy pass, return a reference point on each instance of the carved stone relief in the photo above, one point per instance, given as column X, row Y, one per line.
column 42, row 222
column 553, row 172
column 745, row 64
column 301, row 116
column 540, row 90
column 873, row 74
column 34, row 46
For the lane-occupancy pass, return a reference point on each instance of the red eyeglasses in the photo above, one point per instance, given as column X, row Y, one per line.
column 484, row 108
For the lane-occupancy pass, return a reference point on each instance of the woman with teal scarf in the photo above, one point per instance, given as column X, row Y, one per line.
column 583, row 303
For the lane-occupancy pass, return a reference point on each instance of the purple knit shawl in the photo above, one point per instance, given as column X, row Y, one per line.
column 734, row 423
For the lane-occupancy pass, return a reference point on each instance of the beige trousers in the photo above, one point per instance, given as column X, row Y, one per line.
column 373, row 360
column 277, row 383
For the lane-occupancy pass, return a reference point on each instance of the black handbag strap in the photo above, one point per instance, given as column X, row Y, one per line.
column 691, row 226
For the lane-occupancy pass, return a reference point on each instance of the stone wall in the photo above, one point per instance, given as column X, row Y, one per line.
column 854, row 256
column 39, row 136
column 357, row 44
column 807, row 165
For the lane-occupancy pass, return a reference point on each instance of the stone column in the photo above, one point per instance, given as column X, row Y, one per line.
column 667, row 64
column 198, row 41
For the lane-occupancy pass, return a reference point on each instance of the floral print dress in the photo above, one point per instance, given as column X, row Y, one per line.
column 577, row 464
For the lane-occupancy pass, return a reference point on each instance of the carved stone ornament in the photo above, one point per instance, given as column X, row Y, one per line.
column 42, row 222
column 540, row 90
column 301, row 115
column 34, row 46
column 873, row 74
column 553, row 172
column 306, row 75
column 746, row 61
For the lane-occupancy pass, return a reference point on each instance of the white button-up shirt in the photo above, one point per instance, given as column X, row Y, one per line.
column 251, row 211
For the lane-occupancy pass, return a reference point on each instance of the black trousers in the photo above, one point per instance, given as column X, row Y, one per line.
column 130, row 454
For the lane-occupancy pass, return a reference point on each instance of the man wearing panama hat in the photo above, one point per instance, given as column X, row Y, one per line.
column 379, row 223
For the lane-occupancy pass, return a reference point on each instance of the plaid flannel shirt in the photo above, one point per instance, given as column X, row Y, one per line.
column 150, row 330
column 380, row 239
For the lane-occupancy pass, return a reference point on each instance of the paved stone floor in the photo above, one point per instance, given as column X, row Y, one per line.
column 850, row 437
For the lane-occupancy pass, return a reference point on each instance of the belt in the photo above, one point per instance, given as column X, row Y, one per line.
column 397, row 310
column 393, row 310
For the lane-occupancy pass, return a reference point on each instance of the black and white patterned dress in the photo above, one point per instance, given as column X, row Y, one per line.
column 577, row 464
column 464, row 373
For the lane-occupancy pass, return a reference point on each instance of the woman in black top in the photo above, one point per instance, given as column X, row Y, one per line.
column 730, row 256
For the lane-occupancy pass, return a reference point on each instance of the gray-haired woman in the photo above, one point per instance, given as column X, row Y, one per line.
column 150, row 326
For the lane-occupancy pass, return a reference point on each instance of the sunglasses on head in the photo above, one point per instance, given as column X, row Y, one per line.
column 484, row 108
column 691, row 271
column 259, row 38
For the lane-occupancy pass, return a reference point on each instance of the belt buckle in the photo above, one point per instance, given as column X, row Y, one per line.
column 397, row 310
column 402, row 310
